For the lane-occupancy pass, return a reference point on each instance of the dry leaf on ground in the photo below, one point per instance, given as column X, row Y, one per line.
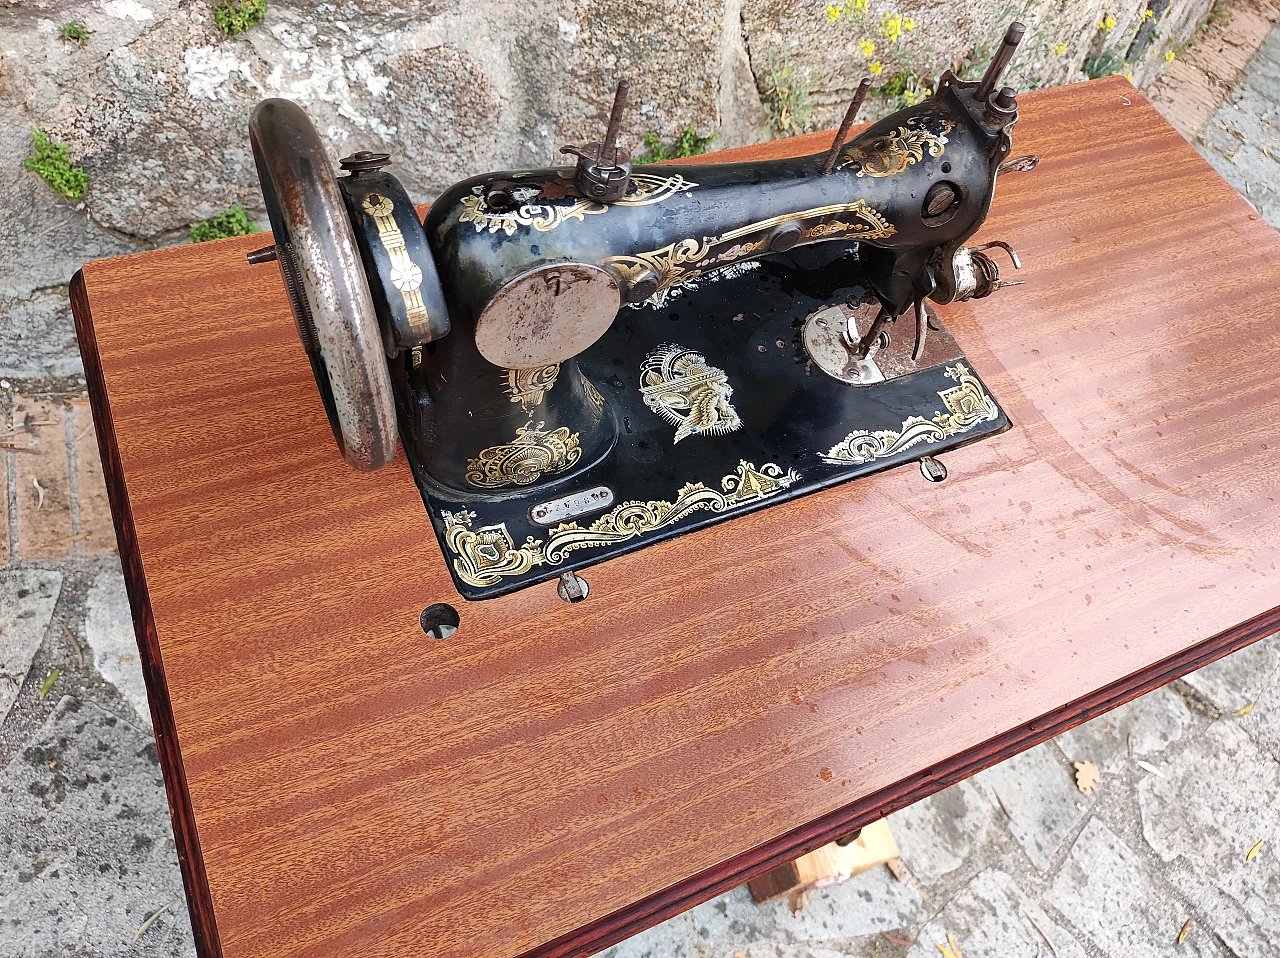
column 1243, row 710
column 1003, row 807
column 895, row 940
column 1150, row 768
column 1185, row 930
column 1086, row 777
column 1253, row 852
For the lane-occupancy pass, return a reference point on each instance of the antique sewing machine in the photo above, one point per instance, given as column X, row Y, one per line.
column 583, row 361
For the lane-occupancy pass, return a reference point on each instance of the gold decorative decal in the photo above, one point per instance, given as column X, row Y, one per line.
column 691, row 258
column 487, row 554
column 528, row 386
column 534, row 453
column 894, row 152
column 686, row 391
column 967, row 405
column 593, row 394
column 405, row 274
column 546, row 215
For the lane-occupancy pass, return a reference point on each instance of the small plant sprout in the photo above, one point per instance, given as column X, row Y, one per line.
column 75, row 31
column 232, row 222
column 237, row 16
column 53, row 164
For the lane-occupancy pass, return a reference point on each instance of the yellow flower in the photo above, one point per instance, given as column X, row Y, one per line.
column 861, row 4
column 1110, row 22
column 912, row 97
column 909, row 23
column 1168, row 56
column 1148, row 15
column 876, row 67
column 1060, row 48
column 892, row 26
column 833, row 12
column 866, row 48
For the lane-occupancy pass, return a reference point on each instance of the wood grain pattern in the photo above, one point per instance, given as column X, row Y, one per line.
column 555, row 777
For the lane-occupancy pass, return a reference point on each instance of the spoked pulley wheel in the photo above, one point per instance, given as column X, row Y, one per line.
column 320, row 261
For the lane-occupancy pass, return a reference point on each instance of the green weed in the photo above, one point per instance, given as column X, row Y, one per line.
column 53, row 163
column 232, row 222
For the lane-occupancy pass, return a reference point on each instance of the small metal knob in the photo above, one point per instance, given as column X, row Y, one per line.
column 572, row 587
column 932, row 469
column 785, row 237
column 364, row 162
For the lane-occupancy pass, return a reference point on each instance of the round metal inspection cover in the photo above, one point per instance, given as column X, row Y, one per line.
column 547, row 315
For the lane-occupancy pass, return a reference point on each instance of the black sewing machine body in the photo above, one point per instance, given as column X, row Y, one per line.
column 576, row 378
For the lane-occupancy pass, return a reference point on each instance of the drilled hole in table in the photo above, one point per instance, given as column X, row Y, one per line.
column 440, row 620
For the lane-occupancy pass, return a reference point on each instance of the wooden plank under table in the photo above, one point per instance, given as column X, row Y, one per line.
column 555, row 777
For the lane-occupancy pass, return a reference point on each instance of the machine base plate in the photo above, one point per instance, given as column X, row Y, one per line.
column 720, row 411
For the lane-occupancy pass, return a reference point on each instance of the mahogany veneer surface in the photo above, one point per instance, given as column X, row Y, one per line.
column 360, row 789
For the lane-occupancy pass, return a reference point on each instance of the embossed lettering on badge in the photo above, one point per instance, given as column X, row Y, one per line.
column 567, row 507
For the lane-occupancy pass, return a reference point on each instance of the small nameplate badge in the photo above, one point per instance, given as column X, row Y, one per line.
column 567, row 507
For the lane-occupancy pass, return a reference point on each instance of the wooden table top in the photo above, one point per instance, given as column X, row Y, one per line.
column 555, row 777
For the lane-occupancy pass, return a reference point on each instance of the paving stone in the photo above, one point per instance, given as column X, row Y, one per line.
column 1233, row 682
column 4, row 484
column 1216, row 800
column 86, row 851
column 992, row 917
column 1153, row 722
column 1042, row 797
column 936, row 835
column 1241, row 140
column 27, row 598
column 91, row 488
column 864, row 905
column 44, row 523
column 108, row 629
column 38, row 337
column 1104, row 889
column 671, row 939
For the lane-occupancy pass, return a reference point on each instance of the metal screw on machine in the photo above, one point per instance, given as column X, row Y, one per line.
column 932, row 469
column 572, row 587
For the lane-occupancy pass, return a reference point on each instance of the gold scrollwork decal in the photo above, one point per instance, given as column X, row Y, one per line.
column 405, row 276
column 688, row 392
column 967, row 405
column 528, row 386
column 689, row 258
column 545, row 215
column 894, row 152
column 485, row 555
column 593, row 395
column 534, row 453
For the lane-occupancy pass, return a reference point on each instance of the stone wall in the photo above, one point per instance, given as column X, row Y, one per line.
column 153, row 106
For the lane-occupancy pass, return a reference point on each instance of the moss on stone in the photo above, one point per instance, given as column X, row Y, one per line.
column 75, row 31
column 232, row 222
column 237, row 16
column 53, row 164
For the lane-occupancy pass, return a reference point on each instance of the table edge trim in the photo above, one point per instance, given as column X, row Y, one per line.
column 195, row 881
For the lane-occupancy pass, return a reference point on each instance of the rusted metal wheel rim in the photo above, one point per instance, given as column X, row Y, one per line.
column 321, row 264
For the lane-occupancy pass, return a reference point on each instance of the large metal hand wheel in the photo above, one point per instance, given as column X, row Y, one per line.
column 318, row 255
